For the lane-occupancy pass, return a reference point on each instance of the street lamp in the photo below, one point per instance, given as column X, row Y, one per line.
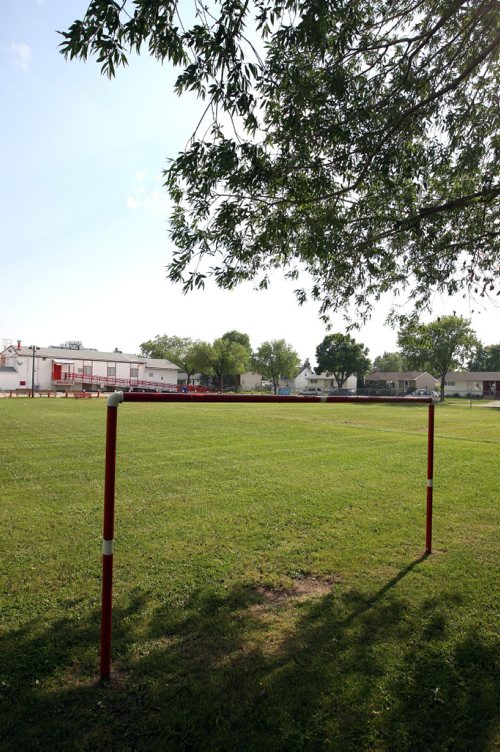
column 33, row 348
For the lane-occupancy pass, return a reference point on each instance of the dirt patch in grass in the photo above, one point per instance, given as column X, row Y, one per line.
column 301, row 590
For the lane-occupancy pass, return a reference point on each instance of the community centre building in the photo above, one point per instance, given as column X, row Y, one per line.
column 71, row 367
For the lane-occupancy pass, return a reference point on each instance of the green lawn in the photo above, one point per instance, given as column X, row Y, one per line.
column 270, row 591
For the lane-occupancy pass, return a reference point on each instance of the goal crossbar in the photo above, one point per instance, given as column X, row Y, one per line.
column 116, row 398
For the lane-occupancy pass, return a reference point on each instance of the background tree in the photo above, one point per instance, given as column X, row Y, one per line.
column 438, row 347
column 357, row 142
column 188, row 354
column 389, row 362
column 305, row 364
column 228, row 358
column 485, row 358
column 340, row 355
column 240, row 337
column 201, row 358
column 158, row 347
column 276, row 359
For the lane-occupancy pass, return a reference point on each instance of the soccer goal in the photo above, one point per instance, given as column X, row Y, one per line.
column 117, row 398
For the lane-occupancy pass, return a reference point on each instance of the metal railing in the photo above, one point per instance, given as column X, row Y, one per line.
column 72, row 377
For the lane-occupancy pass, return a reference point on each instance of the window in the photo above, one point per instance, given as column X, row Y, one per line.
column 111, row 370
column 313, row 381
column 449, row 383
column 87, row 370
column 134, row 372
column 150, row 374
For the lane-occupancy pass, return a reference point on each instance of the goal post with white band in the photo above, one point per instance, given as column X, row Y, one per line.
column 117, row 398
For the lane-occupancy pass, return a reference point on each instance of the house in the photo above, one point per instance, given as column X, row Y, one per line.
column 473, row 384
column 250, row 381
column 401, row 381
column 308, row 379
column 74, row 368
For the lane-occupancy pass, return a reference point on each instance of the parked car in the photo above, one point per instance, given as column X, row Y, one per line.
column 424, row 393
column 311, row 391
column 341, row 392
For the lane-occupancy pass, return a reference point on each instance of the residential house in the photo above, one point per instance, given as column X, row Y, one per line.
column 250, row 381
column 308, row 379
column 400, row 381
column 473, row 384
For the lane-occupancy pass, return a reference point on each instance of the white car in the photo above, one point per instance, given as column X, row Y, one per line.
column 425, row 393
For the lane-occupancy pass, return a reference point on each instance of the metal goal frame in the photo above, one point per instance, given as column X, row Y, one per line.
column 116, row 398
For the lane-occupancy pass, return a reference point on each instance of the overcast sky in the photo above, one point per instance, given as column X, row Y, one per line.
column 84, row 215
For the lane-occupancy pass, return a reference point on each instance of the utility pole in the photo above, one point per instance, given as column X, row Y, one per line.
column 33, row 348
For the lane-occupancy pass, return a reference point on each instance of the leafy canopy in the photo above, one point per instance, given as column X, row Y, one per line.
column 188, row 354
column 240, row 337
column 342, row 356
column 389, row 362
column 438, row 347
column 228, row 358
column 485, row 358
column 275, row 359
column 351, row 142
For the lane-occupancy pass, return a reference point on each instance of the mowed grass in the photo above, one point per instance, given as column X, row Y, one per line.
column 270, row 591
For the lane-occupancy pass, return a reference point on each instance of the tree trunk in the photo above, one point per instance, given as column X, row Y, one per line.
column 443, row 378
column 340, row 381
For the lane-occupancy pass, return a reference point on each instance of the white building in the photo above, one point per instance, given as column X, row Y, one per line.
column 473, row 383
column 307, row 380
column 250, row 381
column 80, row 369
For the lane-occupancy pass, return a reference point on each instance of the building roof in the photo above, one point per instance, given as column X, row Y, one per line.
column 67, row 355
column 397, row 375
column 474, row 375
column 82, row 354
column 160, row 363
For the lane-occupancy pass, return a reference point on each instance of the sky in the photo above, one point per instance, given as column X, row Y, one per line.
column 84, row 216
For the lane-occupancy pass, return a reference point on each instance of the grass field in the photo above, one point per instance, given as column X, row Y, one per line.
column 270, row 590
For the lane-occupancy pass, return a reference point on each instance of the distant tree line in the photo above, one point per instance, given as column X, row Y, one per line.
column 231, row 355
column 444, row 344
column 226, row 357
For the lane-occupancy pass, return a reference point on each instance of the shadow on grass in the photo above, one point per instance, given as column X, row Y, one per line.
column 241, row 671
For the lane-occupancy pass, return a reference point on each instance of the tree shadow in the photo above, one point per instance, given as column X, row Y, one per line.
column 248, row 670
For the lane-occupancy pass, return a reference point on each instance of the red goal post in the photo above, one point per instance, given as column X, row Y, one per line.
column 116, row 398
